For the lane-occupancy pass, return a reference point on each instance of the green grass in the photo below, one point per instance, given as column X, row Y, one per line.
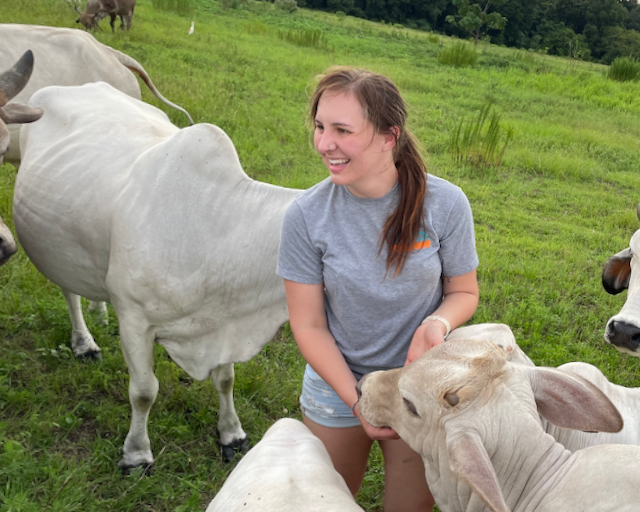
column 562, row 202
column 459, row 54
column 624, row 69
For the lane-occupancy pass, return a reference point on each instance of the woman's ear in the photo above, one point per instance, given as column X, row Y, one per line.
column 391, row 138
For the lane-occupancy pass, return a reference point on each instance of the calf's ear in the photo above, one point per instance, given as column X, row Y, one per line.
column 569, row 401
column 616, row 272
column 470, row 462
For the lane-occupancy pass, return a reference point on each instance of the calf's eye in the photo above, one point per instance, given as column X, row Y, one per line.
column 412, row 408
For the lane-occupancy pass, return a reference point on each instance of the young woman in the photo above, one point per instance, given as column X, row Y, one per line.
column 379, row 265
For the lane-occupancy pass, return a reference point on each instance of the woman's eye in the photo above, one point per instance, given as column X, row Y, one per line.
column 412, row 408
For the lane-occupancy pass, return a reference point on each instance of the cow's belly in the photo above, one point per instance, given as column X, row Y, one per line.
column 63, row 225
column 66, row 254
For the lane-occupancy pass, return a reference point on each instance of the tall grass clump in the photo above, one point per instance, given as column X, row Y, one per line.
column 624, row 69
column 182, row 7
column 458, row 54
column 307, row 37
column 472, row 144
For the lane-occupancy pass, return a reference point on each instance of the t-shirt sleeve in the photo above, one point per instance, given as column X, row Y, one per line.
column 458, row 243
column 298, row 260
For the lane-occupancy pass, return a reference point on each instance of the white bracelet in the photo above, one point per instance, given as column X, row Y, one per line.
column 441, row 319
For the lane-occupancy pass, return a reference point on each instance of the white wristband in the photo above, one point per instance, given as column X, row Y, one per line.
column 441, row 319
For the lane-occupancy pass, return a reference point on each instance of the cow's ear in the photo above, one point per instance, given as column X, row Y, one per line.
column 570, row 401
column 616, row 272
column 470, row 462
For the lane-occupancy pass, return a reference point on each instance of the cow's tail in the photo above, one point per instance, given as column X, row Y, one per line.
column 136, row 67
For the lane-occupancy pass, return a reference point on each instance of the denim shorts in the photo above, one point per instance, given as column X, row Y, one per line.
column 320, row 403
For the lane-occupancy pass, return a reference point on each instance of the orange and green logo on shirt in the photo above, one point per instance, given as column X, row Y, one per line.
column 422, row 242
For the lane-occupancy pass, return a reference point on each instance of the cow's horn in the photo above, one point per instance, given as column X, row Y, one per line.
column 14, row 80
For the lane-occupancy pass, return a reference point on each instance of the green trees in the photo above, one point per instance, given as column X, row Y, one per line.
column 475, row 19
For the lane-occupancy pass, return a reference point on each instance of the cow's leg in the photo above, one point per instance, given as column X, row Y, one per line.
column 137, row 347
column 112, row 22
column 82, row 342
column 232, row 437
column 99, row 309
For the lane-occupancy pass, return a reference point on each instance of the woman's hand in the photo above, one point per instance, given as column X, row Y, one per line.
column 428, row 335
column 375, row 433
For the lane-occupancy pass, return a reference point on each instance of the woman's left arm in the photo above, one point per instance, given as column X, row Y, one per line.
column 459, row 303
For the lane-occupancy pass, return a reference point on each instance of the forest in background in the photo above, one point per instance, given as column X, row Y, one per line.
column 591, row 30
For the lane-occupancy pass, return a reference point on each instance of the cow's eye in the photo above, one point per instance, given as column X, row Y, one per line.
column 412, row 408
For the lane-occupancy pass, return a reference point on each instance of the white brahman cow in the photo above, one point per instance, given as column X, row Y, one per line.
column 289, row 470
column 114, row 203
column 621, row 272
column 474, row 418
column 626, row 400
column 66, row 56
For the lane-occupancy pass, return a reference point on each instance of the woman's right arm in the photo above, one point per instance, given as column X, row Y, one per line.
column 308, row 320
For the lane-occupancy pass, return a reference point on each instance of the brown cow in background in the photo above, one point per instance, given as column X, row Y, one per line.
column 99, row 9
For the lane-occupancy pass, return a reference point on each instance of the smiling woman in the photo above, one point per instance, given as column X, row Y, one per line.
column 366, row 255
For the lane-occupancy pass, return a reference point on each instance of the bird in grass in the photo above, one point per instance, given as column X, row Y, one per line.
column 192, row 27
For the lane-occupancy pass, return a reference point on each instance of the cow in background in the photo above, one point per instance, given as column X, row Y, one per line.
column 99, row 9
column 65, row 56
column 164, row 224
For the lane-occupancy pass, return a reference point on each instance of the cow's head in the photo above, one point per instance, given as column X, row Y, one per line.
column 621, row 272
column 12, row 82
column 471, row 415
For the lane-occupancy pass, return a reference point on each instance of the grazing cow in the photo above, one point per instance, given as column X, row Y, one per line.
column 65, row 56
column 98, row 9
column 289, row 470
column 626, row 400
column 619, row 273
column 88, row 18
column 164, row 224
column 474, row 418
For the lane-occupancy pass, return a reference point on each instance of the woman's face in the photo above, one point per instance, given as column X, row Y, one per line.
column 354, row 153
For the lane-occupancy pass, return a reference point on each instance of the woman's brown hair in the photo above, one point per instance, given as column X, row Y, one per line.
column 385, row 109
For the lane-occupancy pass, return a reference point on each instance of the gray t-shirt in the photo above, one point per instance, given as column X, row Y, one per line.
column 331, row 236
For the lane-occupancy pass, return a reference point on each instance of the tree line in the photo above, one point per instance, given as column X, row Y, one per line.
column 597, row 30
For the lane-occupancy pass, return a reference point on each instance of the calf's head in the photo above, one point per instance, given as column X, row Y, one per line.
column 621, row 272
column 462, row 401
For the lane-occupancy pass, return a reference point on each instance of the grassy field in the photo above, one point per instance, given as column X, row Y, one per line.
column 546, row 221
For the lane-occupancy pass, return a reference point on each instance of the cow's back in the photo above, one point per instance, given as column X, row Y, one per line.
column 76, row 164
column 62, row 56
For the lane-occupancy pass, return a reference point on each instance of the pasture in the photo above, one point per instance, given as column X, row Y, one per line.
column 546, row 220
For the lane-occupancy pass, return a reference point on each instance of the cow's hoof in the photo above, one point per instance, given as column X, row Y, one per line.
column 90, row 356
column 229, row 450
column 145, row 469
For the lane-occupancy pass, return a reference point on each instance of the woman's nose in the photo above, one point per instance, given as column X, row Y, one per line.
column 325, row 143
